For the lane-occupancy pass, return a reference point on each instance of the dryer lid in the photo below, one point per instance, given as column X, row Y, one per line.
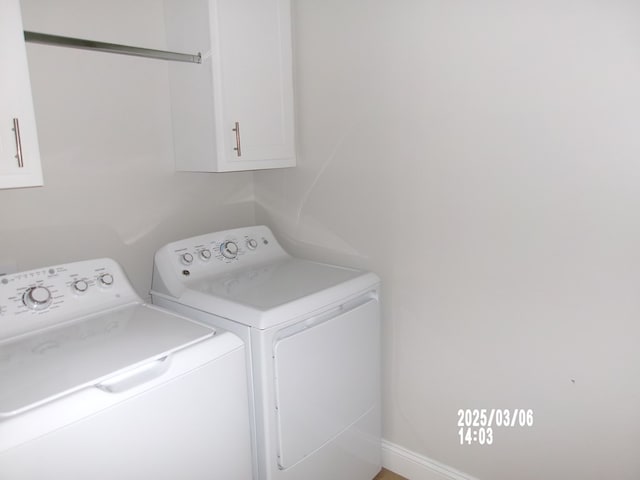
column 275, row 292
column 43, row 366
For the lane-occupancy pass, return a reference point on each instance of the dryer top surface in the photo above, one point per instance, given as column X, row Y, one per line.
column 259, row 285
column 277, row 292
column 274, row 284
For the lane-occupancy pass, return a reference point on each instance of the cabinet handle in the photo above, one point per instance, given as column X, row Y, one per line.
column 16, row 131
column 237, row 147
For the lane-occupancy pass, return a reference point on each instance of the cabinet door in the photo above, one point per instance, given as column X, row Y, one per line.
column 253, row 84
column 16, row 105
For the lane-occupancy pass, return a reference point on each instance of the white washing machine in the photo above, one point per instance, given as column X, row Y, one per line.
column 313, row 337
column 94, row 384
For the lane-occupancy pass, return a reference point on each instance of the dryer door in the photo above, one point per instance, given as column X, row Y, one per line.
column 327, row 376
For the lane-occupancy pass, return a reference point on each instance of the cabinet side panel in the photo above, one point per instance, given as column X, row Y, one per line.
column 191, row 86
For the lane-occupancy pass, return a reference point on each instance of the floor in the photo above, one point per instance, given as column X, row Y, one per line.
column 387, row 475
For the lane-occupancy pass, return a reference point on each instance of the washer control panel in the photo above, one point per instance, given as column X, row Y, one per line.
column 217, row 252
column 39, row 298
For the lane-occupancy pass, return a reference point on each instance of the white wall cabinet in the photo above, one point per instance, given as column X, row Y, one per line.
column 19, row 151
column 235, row 110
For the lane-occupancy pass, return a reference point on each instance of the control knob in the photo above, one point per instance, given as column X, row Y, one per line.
column 205, row 255
column 229, row 250
column 252, row 244
column 186, row 258
column 80, row 286
column 37, row 298
column 106, row 280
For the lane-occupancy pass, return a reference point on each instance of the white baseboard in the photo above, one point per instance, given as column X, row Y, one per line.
column 417, row 467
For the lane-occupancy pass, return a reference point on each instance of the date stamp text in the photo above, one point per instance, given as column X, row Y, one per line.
column 477, row 425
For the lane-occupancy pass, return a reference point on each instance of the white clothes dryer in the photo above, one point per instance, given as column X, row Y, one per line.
column 312, row 333
column 95, row 384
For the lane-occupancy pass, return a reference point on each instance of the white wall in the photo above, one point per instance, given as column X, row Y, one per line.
column 105, row 139
column 484, row 159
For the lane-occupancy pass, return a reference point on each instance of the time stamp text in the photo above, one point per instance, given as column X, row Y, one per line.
column 476, row 426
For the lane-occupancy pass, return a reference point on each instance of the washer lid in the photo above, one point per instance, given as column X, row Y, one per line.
column 40, row 367
column 275, row 292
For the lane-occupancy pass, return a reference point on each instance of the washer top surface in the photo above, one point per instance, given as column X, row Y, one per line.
column 50, row 364
column 261, row 286
column 79, row 339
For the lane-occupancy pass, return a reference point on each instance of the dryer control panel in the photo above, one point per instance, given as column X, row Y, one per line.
column 181, row 262
column 220, row 251
column 48, row 296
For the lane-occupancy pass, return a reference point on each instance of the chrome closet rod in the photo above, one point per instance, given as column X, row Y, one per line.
column 57, row 40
